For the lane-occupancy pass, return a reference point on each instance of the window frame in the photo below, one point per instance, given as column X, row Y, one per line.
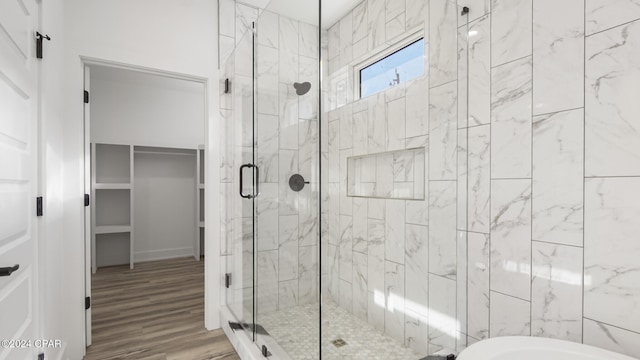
column 394, row 47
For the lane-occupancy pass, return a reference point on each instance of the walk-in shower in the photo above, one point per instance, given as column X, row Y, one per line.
column 341, row 214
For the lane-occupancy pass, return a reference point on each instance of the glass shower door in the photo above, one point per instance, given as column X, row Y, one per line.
column 287, row 155
column 237, row 171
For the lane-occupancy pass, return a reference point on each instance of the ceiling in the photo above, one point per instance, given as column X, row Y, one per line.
column 307, row 10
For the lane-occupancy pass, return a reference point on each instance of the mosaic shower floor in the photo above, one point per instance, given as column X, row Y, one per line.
column 296, row 331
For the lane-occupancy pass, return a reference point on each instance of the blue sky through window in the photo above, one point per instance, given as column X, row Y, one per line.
column 399, row 67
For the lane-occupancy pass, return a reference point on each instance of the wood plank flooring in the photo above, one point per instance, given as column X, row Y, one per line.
column 153, row 312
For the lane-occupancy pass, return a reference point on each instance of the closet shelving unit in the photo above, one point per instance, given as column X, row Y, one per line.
column 200, row 202
column 112, row 194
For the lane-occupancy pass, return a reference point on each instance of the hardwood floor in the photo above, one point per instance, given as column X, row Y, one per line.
column 153, row 312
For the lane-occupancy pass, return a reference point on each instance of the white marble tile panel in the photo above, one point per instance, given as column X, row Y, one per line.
column 396, row 26
column 360, row 286
column 267, row 80
column 377, row 22
column 375, row 257
column 511, row 237
column 308, row 275
column 346, row 39
column 442, row 228
column 611, row 338
column 478, row 285
column 267, row 268
column 359, row 22
column 394, row 8
column 509, row 316
column 334, row 41
column 604, row 14
column 417, row 212
column 479, row 70
column 443, row 44
column 394, row 294
column 287, row 294
column 394, row 231
column 308, row 40
column 288, row 247
column 268, row 29
column 346, row 296
column 612, row 115
column 334, row 151
column 511, row 120
column 384, row 175
column 267, row 149
column 334, row 216
column 360, row 237
column 346, row 247
column 479, row 181
column 443, row 132
column 556, row 291
column 376, row 209
column 346, row 127
column 308, row 103
column 558, row 55
column 612, row 270
column 511, row 30
column 443, row 325
column 558, row 163
column 396, row 123
column 288, row 114
column 416, row 269
column 346, row 204
column 360, row 126
column 376, row 310
column 288, row 51
column 417, row 107
column 308, row 217
column 417, row 13
column 267, row 211
column 377, row 133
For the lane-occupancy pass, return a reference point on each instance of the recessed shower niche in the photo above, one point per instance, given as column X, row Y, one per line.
column 391, row 175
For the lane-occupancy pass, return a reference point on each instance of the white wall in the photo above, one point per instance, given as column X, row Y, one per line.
column 173, row 36
column 51, row 251
column 129, row 107
column 164, row 206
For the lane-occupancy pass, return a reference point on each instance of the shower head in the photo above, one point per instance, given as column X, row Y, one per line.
column 303, row 88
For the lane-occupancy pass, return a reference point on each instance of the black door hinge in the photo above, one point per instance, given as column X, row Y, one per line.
column 265, row 351
column 87, row 200
column 86, row 97
column 227, row 86
column 41, row 356
column 87, row 303
column 227, row 280
column 39, row 206
column 39, row 39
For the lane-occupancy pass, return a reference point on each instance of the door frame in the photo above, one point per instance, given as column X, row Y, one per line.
column 212, row 271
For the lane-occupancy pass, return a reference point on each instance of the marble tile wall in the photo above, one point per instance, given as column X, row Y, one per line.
column 286, row 135
column 533, row 173
column 394, row 262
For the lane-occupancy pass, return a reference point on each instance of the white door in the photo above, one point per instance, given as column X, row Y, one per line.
column 18, row 161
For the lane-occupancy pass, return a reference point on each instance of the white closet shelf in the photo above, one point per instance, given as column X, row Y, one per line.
column 112, row 186
column 112, row 229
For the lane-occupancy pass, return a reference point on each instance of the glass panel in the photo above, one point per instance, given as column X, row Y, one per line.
column 236, row 99
column 287, row 144
column 399, row 67
column 394, row 270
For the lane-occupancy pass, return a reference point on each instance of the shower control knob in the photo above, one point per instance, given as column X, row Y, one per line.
column 296, row 182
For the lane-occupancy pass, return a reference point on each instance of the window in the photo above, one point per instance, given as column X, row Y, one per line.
column 399, row 67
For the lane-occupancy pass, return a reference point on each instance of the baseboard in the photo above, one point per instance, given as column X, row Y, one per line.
column 164, row 254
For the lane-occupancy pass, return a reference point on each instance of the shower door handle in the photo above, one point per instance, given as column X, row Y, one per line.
column 242, row 194
column 256, row 182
